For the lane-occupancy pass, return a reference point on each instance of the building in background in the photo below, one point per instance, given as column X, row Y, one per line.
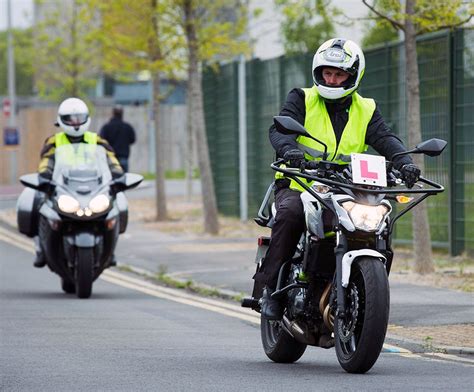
column 264, row 29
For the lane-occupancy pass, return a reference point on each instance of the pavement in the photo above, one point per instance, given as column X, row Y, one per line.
column 423, row 319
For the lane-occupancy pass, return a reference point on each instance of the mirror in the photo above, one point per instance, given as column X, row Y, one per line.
column 127, row 181
column 132, row 180
column 432, row 147
column 289, row 126
column 30, row 180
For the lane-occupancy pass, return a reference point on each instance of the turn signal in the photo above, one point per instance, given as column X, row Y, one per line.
column 403, row 199
column 110, row 224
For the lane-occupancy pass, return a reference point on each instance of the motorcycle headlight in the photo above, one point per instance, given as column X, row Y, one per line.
column 68, row 204
column 99, row 204
column 367, row 218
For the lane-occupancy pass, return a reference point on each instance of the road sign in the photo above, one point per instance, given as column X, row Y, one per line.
column 11, row 137
column 7, row 107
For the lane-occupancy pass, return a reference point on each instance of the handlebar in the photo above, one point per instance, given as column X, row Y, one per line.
column 336, row 175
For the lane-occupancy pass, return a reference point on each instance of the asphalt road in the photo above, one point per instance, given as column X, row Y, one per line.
column 129, row 339
column 227, row 263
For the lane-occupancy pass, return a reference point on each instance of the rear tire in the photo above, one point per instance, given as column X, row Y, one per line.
column 359, row 341
column 84, row 272
column 68, row 286
column 278, row 345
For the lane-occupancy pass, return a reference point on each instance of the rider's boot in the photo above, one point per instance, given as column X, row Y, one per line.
column 113, row 261
column 40, row 260
column 271, row 309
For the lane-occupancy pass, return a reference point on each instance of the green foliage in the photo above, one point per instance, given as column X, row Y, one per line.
column 23, row 53
column 220, row 26
column 429, row 15
column 307, row 24
column 380, row 33
column 140, row 36
column 67, row 57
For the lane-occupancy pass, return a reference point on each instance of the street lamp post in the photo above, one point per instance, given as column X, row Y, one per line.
column 11, row 91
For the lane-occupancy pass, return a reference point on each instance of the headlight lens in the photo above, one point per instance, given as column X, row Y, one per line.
column 68, row 204
column 99, row 204
column 367, row 218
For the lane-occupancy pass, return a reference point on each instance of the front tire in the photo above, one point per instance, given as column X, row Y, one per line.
column 278, row 345
column 360, row 335
column 84, row 272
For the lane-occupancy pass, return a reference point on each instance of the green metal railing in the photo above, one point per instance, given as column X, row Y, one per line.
column 446, row 64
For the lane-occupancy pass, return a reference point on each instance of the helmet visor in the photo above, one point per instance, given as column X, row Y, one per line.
column 74, row 119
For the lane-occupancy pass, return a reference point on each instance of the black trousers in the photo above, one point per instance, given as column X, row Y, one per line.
column 286, row 231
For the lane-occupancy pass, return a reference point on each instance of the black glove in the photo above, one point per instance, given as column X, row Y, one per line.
column 294, row 157
column 410, row 174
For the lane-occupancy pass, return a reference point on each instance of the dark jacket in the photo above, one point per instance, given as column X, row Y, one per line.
column 120, row 135
column 46, row 165
column 378, row 135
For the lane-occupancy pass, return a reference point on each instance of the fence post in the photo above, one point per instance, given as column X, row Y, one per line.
column 243, row 179
column 456, row 172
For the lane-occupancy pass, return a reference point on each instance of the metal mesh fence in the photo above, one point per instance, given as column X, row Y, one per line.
column 446, row 65
column 462, row 163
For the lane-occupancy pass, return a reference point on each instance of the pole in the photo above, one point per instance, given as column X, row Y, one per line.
column 151, row 129
column 242, row 141
column 11, row 91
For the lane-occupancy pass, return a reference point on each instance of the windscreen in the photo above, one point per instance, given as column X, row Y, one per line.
column 81, row 162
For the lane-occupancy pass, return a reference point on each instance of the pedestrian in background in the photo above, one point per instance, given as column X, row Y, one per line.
column 120, row 136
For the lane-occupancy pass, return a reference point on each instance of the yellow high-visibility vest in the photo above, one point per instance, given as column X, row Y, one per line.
column 318, row 124
column 72, row 156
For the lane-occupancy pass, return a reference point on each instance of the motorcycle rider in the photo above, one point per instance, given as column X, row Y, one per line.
column 74, row 120
column 333, row 112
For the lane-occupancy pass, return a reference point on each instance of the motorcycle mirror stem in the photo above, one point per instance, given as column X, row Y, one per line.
column 35, row 181
column 127, row 181
column 432, row 147
column 289, row 126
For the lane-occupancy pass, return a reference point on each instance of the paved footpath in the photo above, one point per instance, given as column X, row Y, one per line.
column 422, row 318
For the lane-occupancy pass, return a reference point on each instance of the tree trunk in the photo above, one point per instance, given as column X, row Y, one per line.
column 161, row 211
column 189, row 152
column 195, row 106
column 156, row 55
column 423, row 258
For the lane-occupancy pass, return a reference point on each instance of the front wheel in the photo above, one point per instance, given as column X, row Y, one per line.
column 360, row 334
column 84, row 272
column 279, row 346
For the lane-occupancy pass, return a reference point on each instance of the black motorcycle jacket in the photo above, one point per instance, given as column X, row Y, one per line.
column 120, row 135
column 378, row 135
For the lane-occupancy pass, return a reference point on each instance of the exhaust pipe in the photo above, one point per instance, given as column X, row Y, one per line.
column 299, row 332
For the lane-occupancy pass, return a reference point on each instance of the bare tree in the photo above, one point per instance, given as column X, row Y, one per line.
column 212, row 30
column 148, row 41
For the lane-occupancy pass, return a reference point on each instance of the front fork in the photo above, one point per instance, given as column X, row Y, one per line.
column 340, row 250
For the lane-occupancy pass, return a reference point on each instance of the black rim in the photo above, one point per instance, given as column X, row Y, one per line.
column 350, row 327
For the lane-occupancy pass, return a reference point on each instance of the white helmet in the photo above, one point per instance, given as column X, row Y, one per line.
column 73, row 117
column 342, row 54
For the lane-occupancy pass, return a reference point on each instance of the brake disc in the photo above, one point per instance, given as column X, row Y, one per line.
column 346, row 327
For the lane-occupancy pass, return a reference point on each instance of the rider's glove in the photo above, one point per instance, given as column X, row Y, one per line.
column 294, row 157
column 410, row 174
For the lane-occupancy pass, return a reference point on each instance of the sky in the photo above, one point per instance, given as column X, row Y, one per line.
column 22, row 13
